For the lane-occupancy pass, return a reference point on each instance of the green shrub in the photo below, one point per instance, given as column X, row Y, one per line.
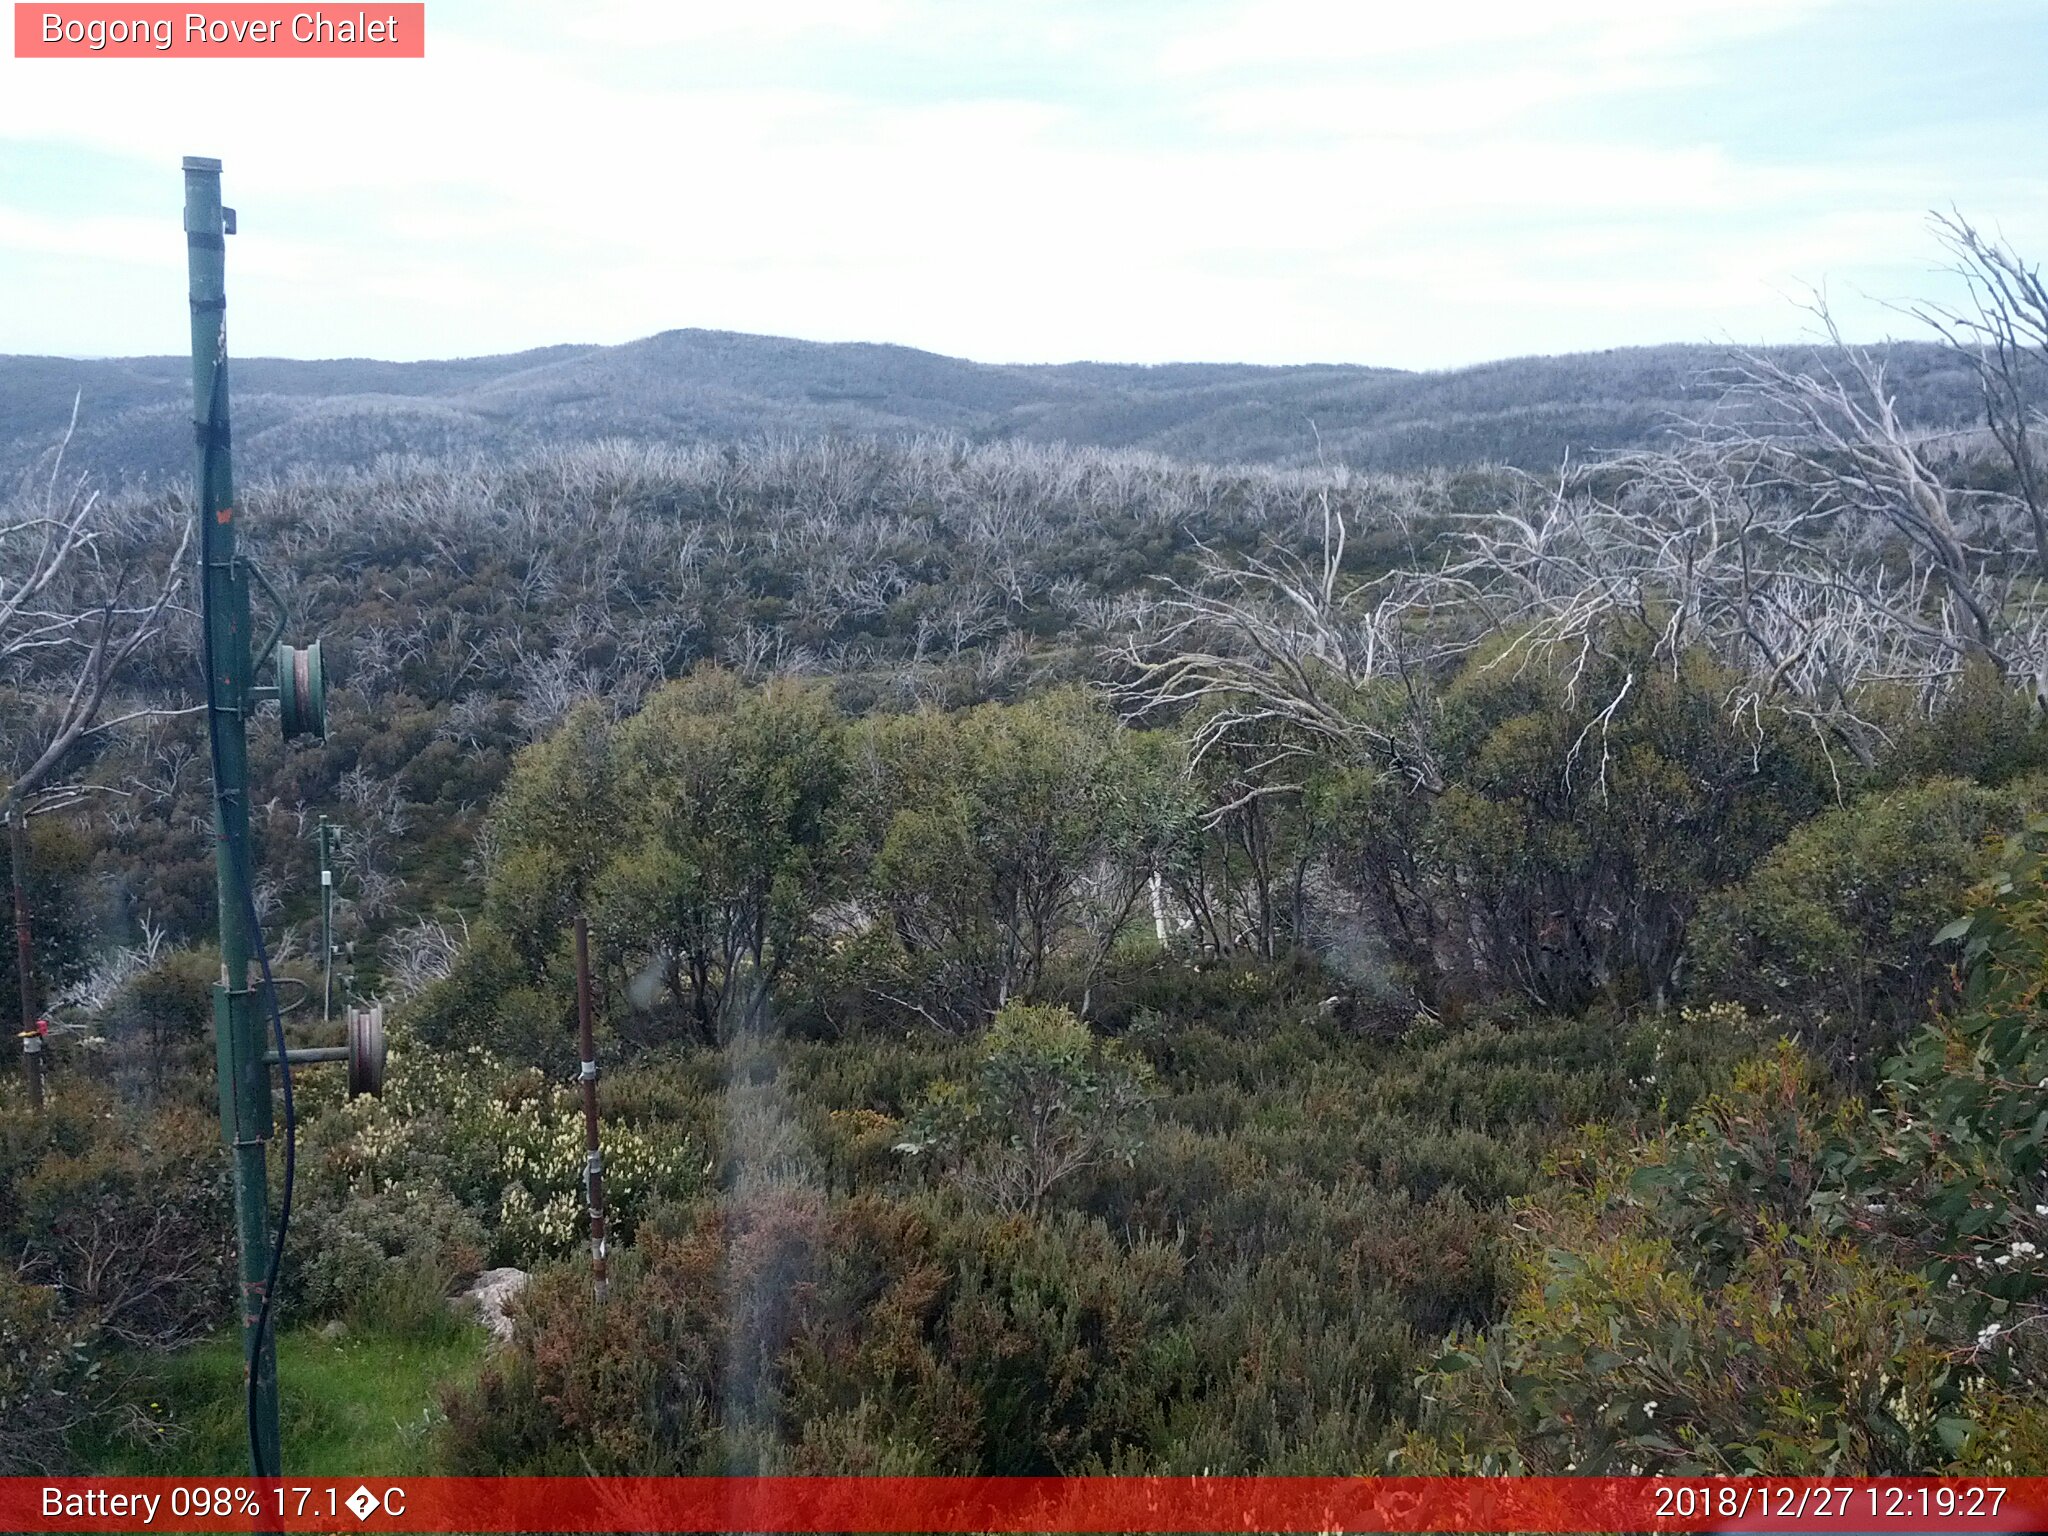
column 114, row 1234
column 781, row 1332
column 124, row 1214
column 1571, row 847
column 496, row 999
column 1794, row 1281
column 1049, row 1099
column 1839, row 919
column 59, row 899
column 376, row 1253
column 1066, row 1342
column 995, row 843
column 162, row 1017
column 1251, row 1284
column 1986, row 730
column 1681, row 1313
column 1588, row 806
column 680, row 1369
column 726, row 844
column 48, row 1365
column 1956, row 1152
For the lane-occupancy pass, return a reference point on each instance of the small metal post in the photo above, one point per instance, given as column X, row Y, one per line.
column 593, row 1157
column 24, row 958
column 326, row 925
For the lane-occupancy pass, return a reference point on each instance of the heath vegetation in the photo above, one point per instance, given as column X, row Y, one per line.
column 1103, row 962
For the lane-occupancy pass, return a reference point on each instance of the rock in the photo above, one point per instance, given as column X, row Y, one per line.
column 334, row 1331
column 490, row 1295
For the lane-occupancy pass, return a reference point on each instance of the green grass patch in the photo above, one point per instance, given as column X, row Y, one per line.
column 363, row 1404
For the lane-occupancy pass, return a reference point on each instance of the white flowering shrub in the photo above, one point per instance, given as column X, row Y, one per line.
column 506, row 1143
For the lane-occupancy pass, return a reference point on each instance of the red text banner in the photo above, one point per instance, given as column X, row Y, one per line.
column 1078, row 1504
column 230, row 31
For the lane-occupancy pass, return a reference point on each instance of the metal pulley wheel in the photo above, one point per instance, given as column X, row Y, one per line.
column 301, row 691
column 366, row 1051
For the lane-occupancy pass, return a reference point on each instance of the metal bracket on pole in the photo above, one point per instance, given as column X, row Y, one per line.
column 261, row 653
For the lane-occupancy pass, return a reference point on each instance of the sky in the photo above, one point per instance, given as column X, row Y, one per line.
column 1422, row 184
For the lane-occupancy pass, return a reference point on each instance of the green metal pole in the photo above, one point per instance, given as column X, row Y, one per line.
column 245, row 1115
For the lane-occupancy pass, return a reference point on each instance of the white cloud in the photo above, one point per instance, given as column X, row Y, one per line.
column 1269, row 180
column 1323, row 32
column 664, row 23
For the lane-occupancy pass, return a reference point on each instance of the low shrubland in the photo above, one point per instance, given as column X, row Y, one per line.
column 1102, row 965
column 1242, row 1264
column 1795, row 1279
column 940, row 1138
column 115, row 1227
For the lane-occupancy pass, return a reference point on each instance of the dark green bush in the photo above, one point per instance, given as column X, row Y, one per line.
column 372, row 1256
column 1047, row 1100
column 61, row 905
column 1834, row 927
column 124, row 1214
column 48, row 1362
column 1796, row 1281
column 1987, row 730
column 498, row 999
column 161, row 1020
column 1571, row 847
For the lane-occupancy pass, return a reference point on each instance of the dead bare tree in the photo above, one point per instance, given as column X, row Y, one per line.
column 1285, row 650
column 421, row 953
column 1803, row 536
column 2004, row 337
column 550, row 685
column 78, row 599
column 1688, row 550
column 1834, row 439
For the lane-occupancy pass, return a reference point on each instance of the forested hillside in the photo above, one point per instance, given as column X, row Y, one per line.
column 1104, row 962
column 685, row 387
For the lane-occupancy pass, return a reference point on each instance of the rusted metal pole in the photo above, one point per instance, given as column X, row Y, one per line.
column 593, row 1156
column 326, row 925
column 24, row 958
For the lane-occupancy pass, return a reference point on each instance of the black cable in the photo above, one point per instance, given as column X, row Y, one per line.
column 238, row 851
column 265, row 1323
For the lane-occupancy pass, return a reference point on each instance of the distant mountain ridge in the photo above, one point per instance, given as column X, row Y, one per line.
column 696, row 386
